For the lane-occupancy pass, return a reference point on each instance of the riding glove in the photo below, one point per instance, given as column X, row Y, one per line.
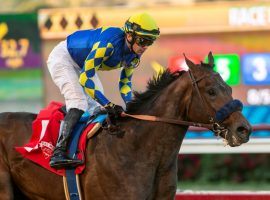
column 114, row 110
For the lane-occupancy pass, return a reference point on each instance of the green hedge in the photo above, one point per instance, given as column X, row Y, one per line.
column 235, row 168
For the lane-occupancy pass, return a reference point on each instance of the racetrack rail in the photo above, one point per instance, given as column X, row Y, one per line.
column 222, row 195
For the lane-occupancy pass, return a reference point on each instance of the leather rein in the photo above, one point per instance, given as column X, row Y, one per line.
column 212, row 125
column 167, row 120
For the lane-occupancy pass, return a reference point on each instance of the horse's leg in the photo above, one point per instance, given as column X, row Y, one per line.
column 6, row 189
column 166, row 184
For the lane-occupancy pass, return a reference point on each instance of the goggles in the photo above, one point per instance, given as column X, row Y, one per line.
column 142, row 42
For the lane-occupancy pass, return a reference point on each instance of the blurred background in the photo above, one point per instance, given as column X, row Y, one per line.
column 237, row 32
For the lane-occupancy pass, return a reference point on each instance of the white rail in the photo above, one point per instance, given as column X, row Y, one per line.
column 201, row 146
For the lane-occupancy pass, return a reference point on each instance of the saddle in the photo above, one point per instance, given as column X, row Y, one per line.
column 98, row 118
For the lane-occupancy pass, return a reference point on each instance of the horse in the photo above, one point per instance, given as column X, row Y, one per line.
column 140, row 163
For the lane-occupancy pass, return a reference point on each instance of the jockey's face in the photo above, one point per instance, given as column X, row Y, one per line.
column 140, row 44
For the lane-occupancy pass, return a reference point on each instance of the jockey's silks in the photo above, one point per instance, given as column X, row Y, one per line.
column 102, row 49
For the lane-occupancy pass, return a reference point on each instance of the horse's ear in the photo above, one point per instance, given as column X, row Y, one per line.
column 189, row 63
column 211, row 59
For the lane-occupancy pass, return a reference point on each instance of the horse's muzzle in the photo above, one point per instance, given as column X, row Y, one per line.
column 239, row 134
column 243, row 131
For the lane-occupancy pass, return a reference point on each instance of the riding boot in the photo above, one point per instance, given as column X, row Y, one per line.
column 60, row 158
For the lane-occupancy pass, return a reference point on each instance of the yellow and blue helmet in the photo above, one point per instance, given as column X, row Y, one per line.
column 142, row 24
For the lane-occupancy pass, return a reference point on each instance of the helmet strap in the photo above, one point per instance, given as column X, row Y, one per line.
column 132, row 42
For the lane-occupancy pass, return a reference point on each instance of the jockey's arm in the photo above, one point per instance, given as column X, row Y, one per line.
column 100, row 52
column 125, row 84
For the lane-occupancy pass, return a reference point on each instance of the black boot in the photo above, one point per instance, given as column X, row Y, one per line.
column 60, row 159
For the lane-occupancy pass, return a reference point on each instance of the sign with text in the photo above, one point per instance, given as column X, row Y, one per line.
column 256, row 69
column 21, row 83
column 249, row 16
column 258, row 96
column 19, row 41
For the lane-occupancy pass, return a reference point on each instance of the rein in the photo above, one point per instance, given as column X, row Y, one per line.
column 167, row 120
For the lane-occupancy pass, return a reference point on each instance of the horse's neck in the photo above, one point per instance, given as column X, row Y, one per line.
column 172, row 103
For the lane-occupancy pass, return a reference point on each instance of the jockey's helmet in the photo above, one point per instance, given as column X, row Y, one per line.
column 142, row 24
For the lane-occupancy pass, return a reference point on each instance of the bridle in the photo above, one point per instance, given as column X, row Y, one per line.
column 217, row 128
column 213, row 125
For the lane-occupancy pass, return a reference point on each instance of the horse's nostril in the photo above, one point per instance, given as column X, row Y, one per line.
column 243, row 132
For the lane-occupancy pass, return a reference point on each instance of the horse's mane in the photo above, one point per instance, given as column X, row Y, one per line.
column 154, row 87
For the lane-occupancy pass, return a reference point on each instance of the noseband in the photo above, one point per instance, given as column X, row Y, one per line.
column 214, row 122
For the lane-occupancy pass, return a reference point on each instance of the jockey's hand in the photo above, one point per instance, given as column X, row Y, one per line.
column 114, row 110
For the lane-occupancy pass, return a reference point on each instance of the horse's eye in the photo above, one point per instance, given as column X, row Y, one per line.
column 212, row 92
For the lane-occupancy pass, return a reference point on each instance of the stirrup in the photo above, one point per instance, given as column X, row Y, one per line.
column 67, row 163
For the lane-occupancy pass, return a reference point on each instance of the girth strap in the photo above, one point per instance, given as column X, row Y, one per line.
column 167, row 120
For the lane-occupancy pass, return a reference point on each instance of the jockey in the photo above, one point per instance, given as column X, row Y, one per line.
column 73, row 64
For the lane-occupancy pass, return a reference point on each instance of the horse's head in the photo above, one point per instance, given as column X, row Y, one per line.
column 212, row 102
column 199, row 96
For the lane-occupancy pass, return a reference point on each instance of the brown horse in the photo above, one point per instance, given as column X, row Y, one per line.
column 142, row 162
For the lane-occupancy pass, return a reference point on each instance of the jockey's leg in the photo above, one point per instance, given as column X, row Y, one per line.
column 65, row 74
column 60, row 158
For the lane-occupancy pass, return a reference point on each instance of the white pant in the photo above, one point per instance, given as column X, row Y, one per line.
column 65, row 74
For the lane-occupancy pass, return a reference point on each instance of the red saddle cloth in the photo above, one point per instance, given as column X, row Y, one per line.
column 45, row 130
